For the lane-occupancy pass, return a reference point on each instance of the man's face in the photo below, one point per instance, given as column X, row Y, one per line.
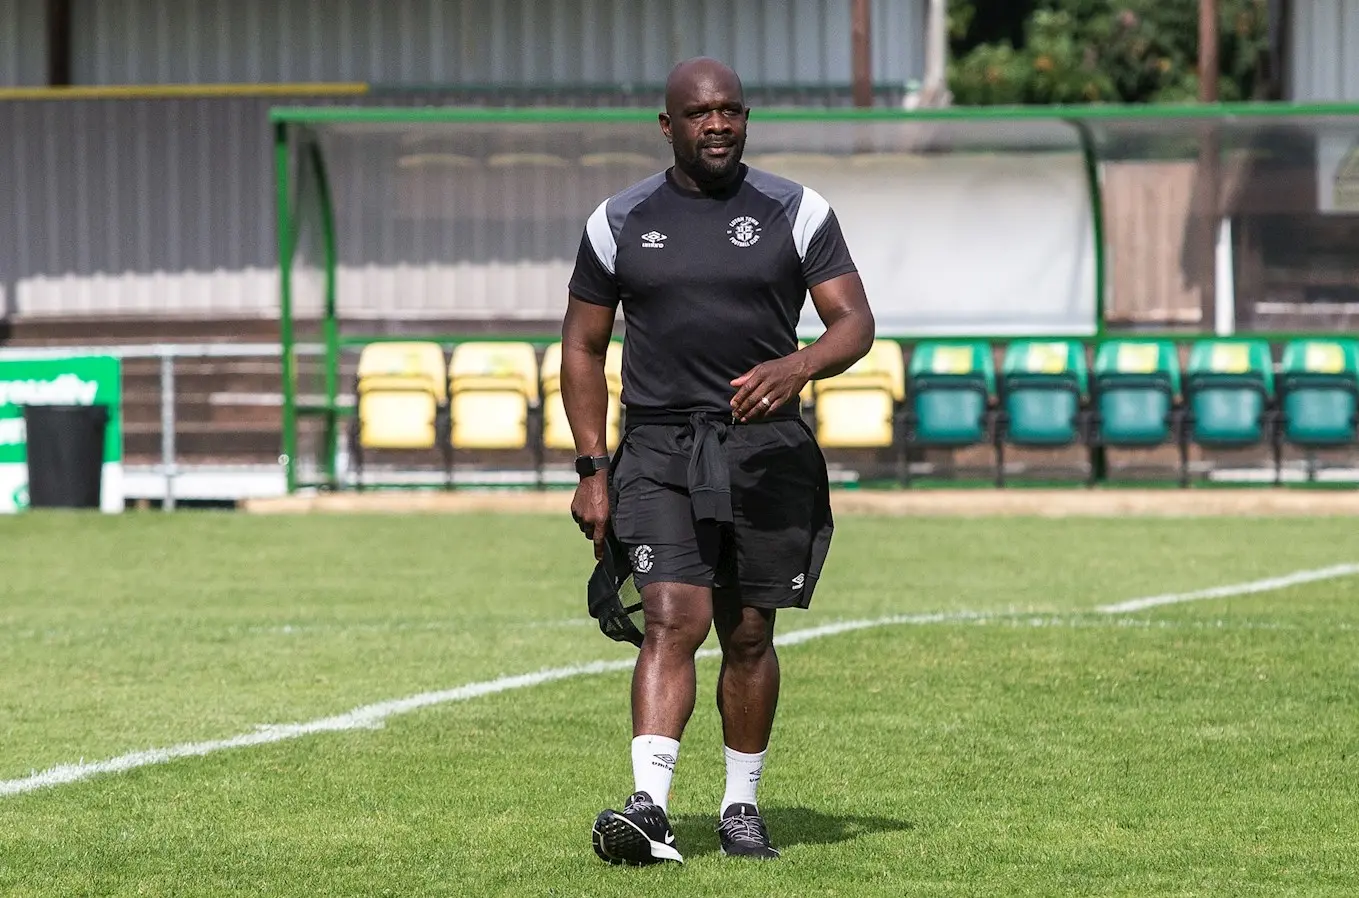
column 708, row 130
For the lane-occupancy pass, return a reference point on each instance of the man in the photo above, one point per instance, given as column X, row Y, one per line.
column 718, row 489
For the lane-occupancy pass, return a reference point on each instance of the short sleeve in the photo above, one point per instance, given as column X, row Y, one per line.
column 827, row 255
column 593, row 279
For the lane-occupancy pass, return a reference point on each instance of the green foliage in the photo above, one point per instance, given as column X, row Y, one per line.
column 1102, row 51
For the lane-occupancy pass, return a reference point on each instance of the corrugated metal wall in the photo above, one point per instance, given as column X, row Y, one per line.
column 511, row 42
column 136, row 206
column 23, row 43
column 166, row 206
column 1323, row 56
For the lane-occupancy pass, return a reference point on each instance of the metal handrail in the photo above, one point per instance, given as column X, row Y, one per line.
column 167, row 353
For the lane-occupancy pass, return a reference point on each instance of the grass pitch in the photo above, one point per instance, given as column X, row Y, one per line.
column 1041, row 748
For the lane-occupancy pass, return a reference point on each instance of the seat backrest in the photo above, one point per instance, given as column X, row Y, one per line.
column 494, row 366
column 1138, row 362
column 882, row 367
column 1216, row 362
column 1046, row 363
column 947, row 362
column 1321, row 362
column 402, row 365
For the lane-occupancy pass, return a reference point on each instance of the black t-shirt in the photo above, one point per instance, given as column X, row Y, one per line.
column 710, row 285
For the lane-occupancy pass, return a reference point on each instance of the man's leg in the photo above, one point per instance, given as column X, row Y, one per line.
column 664, row 683
column 747, row 694
column 678, row 617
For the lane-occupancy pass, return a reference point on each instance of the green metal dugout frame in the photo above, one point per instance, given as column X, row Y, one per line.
column 294, row 128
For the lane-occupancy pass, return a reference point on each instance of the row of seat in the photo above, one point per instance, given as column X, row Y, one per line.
column 487, row 395
column 1135, row 396
column 498, row 395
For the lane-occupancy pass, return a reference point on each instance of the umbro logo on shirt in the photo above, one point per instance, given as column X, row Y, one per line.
column 654, row 240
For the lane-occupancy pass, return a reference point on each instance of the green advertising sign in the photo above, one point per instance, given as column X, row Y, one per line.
column 70, row 380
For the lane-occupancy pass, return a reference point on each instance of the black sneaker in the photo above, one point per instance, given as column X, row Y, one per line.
column 742, row 833
column 640, row 835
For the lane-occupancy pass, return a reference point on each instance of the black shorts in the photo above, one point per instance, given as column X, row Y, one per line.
column 770, row 556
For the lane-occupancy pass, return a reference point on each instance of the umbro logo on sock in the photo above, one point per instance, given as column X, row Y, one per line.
column 666, row 761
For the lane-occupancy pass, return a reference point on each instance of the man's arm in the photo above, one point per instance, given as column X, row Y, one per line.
column 850, row 328
column 843, row 306
column 586, row 330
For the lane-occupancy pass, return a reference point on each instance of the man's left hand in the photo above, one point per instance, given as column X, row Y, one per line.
column 767, row 386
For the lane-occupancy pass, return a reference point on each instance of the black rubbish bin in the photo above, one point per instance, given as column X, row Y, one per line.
column 65, row 454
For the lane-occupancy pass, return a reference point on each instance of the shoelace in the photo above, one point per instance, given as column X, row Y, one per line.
column 743, row 827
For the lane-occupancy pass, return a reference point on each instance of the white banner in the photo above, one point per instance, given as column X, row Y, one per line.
column 963, row 243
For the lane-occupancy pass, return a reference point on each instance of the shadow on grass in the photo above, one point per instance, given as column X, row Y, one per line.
column 697, row 834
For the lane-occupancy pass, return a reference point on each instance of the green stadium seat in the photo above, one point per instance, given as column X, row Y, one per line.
column 1043, row 387
column 1136, row 388
column 950, row 388
column 1229, row 391
column 1319, row 393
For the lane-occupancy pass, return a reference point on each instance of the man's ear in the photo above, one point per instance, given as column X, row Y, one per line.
column 664, row 119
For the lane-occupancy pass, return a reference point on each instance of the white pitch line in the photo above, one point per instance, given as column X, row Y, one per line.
column 1297, row 578
column 374, row 716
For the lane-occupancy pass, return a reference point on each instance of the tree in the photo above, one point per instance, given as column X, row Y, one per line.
column 1099, row 51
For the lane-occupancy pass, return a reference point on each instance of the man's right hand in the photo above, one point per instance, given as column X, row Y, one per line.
column 590, row 509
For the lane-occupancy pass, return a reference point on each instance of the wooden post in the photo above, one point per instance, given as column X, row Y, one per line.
column 862, row 31
column 59, row 43
column 1208, row 61
column 1210, row 171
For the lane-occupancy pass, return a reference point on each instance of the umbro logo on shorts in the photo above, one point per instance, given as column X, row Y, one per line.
column 799, row 580
column 654, row 240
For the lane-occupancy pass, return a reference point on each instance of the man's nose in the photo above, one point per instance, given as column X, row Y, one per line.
column 716, row 123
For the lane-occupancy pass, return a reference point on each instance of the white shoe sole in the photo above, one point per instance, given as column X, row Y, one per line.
column 623, row 840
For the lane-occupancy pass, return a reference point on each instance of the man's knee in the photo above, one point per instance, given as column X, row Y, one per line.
column 677, row 615
column 749, row 637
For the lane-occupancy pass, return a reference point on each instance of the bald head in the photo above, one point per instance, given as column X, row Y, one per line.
column 700, row 75
column 705, row 121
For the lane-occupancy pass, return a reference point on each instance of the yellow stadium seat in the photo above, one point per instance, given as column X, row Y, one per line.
column 556, row 428
column 400, row 393
column 400, row 389
column 491, row 387
column 857, row 408
column 854, row 418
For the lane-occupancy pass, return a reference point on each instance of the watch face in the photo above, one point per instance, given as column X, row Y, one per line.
column 587, row 465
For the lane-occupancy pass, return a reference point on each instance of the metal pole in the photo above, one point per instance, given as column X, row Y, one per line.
column 167, row 426
column 861, row 28
column 935, row 91
column 1225, row 293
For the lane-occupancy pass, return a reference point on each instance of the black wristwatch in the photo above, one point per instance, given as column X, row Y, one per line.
column 589, row 465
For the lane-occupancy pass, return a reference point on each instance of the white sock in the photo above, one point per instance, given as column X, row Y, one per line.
column 743, row 776
column 653, row 766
